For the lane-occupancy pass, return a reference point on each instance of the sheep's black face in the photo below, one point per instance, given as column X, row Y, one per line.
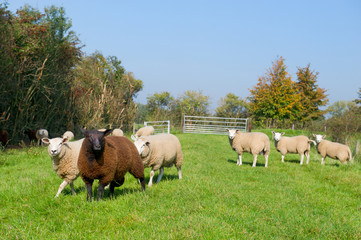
column 96, row 139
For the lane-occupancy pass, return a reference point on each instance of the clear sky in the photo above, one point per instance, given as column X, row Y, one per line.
column 221, row 46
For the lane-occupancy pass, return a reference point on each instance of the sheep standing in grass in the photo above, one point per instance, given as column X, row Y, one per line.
column 254, row 143
column 159, row 151
column 144, row 131
column 297, row 144
column 64, row 155
column 108, row 158
column 332, row 149
column 69, row 135
column 40, row 134
column 31, row 133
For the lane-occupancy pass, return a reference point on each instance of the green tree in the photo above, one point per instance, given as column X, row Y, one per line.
column 159, row 105
column 339, row 108
column 232, row 106
column 275, row 97
column 312, row 96
column 193, row 103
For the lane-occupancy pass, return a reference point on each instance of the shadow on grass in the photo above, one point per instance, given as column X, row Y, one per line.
column 246, row 163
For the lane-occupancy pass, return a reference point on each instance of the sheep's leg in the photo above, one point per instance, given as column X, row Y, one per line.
column 239, row 160
column 161, row 171
column 61, row 187
column 89, row 188
column 323, row 160
column 151, row 178
column 111, row 188
column 254, row 160
column 283, row 158
column 179, row 173
column 72, row 188
column 266, row 160
column 302, row 156
column 100, row 191
column 308, row 157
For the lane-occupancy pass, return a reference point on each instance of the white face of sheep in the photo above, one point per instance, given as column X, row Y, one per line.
column 141, row 144
column 55, row 145
column 277, row 136
column 319, row 137
column 232, row 133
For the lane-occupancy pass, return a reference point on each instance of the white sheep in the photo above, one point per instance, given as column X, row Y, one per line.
column 117, row 132
column 64, row 155
column 332, row 149
column 254, row 143
column 297, row 144
column 145, row 131
column 40, row 134
column 159, row 151
column 69, row 135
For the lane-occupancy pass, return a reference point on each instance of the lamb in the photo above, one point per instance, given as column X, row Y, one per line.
column 254, row 143
column 108, row 158
column 4, row 137
column 159, row 151
column 332, row 149
column 145, row 131
column 31, row 133
column 64, row 155
column 69, row 135
column 297, row 144
column 40, row 134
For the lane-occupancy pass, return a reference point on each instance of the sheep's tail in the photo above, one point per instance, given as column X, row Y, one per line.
column 350, row 155
column 311, row 141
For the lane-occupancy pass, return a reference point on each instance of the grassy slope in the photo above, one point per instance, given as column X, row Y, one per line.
column 215, row 199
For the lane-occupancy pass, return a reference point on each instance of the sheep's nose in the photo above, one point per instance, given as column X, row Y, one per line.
column 53, row 151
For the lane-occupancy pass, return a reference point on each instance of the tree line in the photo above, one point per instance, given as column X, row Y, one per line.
column 48, row 82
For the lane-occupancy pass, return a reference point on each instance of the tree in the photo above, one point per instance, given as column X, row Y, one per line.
column 104, row 92
column 312, row 96
column 276, row 97
column 358, row 100
column 159, row 105
column 339, row 108
column 193, row 103
column 232, row 106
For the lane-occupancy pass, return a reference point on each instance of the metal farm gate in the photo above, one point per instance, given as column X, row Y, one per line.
column 159, row 126
column 212, row 125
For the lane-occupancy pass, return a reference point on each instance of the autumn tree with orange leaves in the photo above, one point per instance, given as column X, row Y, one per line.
column 312, row 96
column 276, row 98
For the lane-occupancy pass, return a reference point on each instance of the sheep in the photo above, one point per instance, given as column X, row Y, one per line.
column 254, row 143
column 40, row 134
column 145, row 131
column 297, row 144
column 69, row 135
column 108, row 158
column 159, row 151
column 64, row 155
column 4, row 137
column 332, row 149
column 31, row 133
column 117, row 132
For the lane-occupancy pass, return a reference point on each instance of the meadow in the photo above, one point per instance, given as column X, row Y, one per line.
column 216, row 199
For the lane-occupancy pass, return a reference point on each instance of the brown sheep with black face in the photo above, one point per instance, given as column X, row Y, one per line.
column 108, row 158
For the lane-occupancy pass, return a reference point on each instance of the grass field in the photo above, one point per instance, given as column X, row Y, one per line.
column 215, row 199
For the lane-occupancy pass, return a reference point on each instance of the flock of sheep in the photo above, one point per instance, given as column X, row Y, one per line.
column 107, row 155
column 258, row 143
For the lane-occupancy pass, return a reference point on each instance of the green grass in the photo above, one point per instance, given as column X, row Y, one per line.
column 215, row 199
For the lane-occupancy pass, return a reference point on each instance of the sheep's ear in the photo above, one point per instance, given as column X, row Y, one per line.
column 45, row 140
column 273, row 132
column 237, row 130
column 84, row 131
column 134, row 138
column 282, row 133
column 147, row 143
column 227, row 129
column 324, row 136
column 65, row 139
column 314, row 135
column 107, row 132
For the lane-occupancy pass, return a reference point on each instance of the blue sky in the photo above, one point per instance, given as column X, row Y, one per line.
column 220, row 47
